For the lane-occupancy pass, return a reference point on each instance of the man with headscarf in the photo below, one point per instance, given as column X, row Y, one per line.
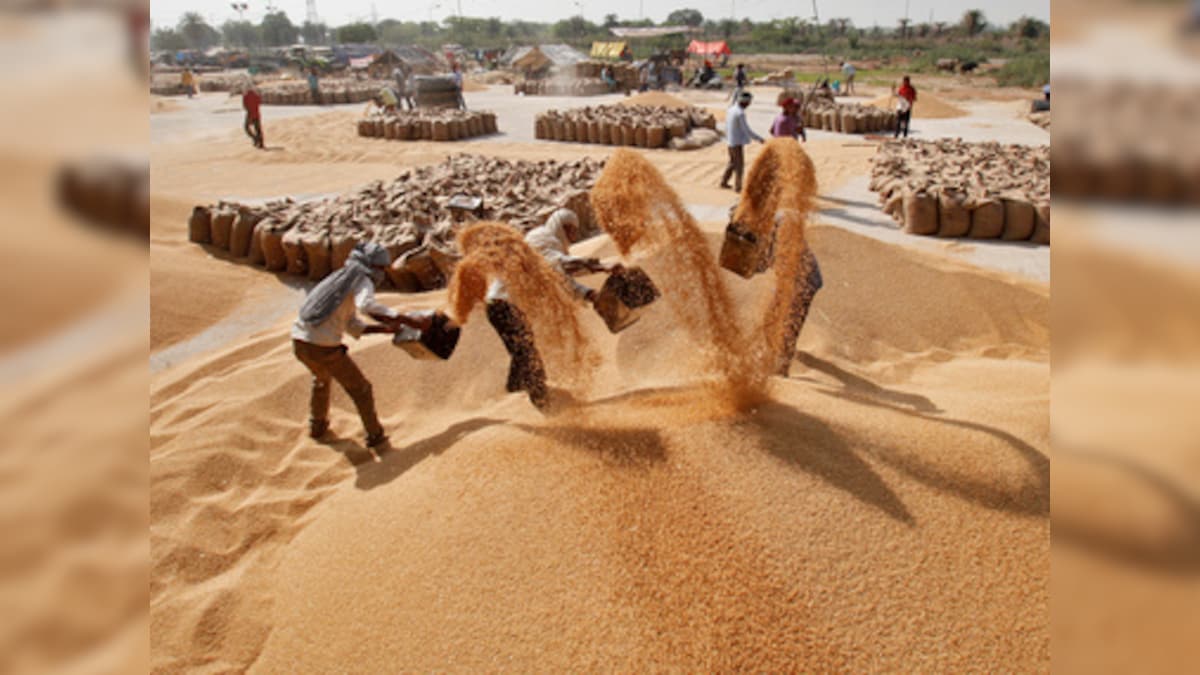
column 329, row 311
column 552, row 241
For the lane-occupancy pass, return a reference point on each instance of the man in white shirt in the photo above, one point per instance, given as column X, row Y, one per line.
column 848, row 72
column 552, row 241
column 738, row 135
column 331, row 310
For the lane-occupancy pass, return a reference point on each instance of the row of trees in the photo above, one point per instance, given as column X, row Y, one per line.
column 790, row 34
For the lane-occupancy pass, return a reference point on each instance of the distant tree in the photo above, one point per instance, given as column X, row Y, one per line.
column 278, row 30
column 686, row 17
column 196, row 31
column 903, row 30
column 356, row 33
column 314, row 33
column 575, row 28
column 240, row 34
column 167, row 40
column 1028, row 27
column 611, row 20
column 973, row 22
column 727, row 27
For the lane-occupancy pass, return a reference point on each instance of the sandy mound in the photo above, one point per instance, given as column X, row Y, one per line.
column 649, row 528
column 471, row 85
column 656, row 98
column 927, row 106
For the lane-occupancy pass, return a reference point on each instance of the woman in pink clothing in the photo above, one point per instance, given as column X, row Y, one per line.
column 789, row 124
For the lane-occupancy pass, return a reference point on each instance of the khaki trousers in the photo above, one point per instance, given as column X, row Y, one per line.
column 333, row 363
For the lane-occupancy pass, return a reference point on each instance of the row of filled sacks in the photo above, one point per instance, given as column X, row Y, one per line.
column 1136, row 176
column 113, row 193
column 420, row 261
column 577, row 87
column 602, row 132
column 328, row 96
column 949, row 212
column 850, row 120
column 425, row 128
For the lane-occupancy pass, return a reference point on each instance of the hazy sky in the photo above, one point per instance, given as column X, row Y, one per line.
column 864, row 13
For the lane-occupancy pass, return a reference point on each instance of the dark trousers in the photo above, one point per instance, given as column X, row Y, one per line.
column 333, row 363
column 735, row 167
column 902, row 120
column 525, row 371
column 253, row 129
column 316, row 95
column 809, row 286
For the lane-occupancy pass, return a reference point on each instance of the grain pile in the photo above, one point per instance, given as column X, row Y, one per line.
column 634, row 125
column 428, row 125
column 408, row 216
column 111, row 192
column 927, row 106
column 847, row 118
column 951, row 188
column 1144, row 147
column 580, row 79
column 1040, row 118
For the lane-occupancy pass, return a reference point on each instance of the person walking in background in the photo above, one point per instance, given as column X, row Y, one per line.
column 789, row 123
column 738, row 134
column 848, row 72
column 458, row 83
column 906, row 96
column 314, row 85
column 739, row 81
column 253, row 124
column 188, row 79
column 401, row 78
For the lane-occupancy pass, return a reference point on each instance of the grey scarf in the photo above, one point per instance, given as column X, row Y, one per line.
column 333, row 289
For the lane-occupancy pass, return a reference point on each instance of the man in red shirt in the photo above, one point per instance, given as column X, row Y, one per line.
column 250, row 101
column 907, row 97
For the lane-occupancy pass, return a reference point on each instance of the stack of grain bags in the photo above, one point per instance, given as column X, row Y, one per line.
column 408, row 216
column 296, row 92
column 951, row 188
column 428, row 125
column 581, row 79
column 633, row 125
column 847, row 118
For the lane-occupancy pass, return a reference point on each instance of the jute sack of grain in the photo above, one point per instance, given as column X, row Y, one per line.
column 341, row 243
column 421, row 265
column 364, row 129
column 639, row 136
column 271, row 235
column 255, row 254
column 489, row 123
column 581, row 131
column 389, row 130
column 200, row 225
column 293, row 250
column 317, row 253
column 1019, row 218
column 954, row 220
column 558, row 131
column 987, row 219
column 849, row 122
column 656, row 136
column 474, row 126
column 402, row 279
column 569, row 131
column 539, row 127
column 408, row 131
column 920, row 212
column 426, row 130
column 614, row 134
column 1041, row 228
column 593, row 134
column 380, row 128
column 678, row 129
column 241, row 231
column 894, row 207
column 440, row 132
column 627, row 136
column 222, row 223
column 837, row 121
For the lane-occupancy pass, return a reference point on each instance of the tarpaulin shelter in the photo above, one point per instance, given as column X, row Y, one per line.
column 610, row 50
column 708, row 48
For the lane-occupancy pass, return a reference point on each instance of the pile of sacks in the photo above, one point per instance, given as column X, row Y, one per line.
column 427, row 125
column 847, row 118
column 951, row 188
column 1143, row 147
column 408, row 216
column 332, row 91
column 581, row 79
column 634, row 125
column 170, row 84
